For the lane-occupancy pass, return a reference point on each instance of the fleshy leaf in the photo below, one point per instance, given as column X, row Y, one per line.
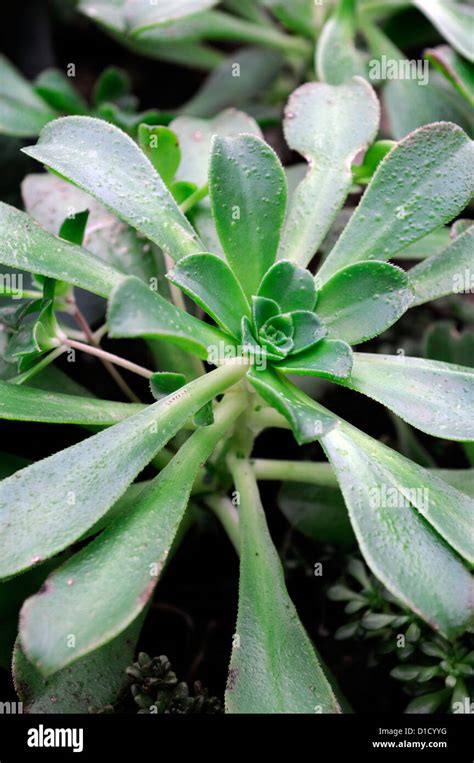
column 136, row 310
column 391, row 501
column 263, row 308
column 94, row 681
column 348, row 117
column 364, row 299
column 455, row 68
column 454, row 21
column 163, row 383
column 447, row 272
column 308, row 329
column 161, row 146
column 195, row 136
column 22, row 111
column 127, row 559
column 274, row 667
column 28, row 404
column 49, row 200
column 317, row 511
column 307, row 419
column 428, row 394
column 27, row 246
column 56, row 89
column 289, row 285
column 48, row 505
column 330, row 359
column 102, row 160
column 407, row 197
column 210, row 282
column 247, row 188
column 337, row 58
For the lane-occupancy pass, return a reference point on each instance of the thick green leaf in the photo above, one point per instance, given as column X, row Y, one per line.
column 337, row 58
column 247, row 188
column 48, row 505
column 307, row 419
column 25, row 245
column 22, row 111
column 330, row 359
column 391, row 501
column 163, row 383
column 413, row 95
column 348, row 118
column 362, row 300
column 410, row 104
column 407, row 196
column 461, row 479
column 56, row 89
column 454, row 21
column 297, row 15
column 244, row 75
column 210, row 282
column 49, row 200
column 291, row 286
column 307, row 330
column 455, row 68
column 98, row 679
column 28, row 404
column 274, row 667
column 195, row 137
column 431, row 244
column 135, row 310
column 447, row 272
column 112, row 85
column 428, row 394
column 142, row 15
column 317, row 511
column 161, row 146
column 102, row 160
column 126, row 560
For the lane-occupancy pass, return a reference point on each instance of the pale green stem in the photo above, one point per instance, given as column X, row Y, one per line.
column 266, row 418
column 317, row 473
column 228, row 516
column 194, row 198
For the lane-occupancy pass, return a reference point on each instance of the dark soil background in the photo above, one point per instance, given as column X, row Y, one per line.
column 193, row 616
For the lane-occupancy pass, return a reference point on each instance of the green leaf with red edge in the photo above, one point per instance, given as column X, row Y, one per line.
column 247, row 188
column 455, row 68
column 362, row 300
column 454, row 21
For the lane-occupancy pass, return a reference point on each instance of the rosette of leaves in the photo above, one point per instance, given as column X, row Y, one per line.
column 251, row 280
column 440, row 678
column 156, row 690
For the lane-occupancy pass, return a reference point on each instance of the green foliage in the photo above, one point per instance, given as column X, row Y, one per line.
column 239, row 252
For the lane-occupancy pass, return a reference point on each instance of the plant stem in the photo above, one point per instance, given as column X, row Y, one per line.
column 228, row 516
column 98, row 352
column 45, row 361
column 116, row 376
column 266, row 418
column 198, row 195
column 317, row 473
